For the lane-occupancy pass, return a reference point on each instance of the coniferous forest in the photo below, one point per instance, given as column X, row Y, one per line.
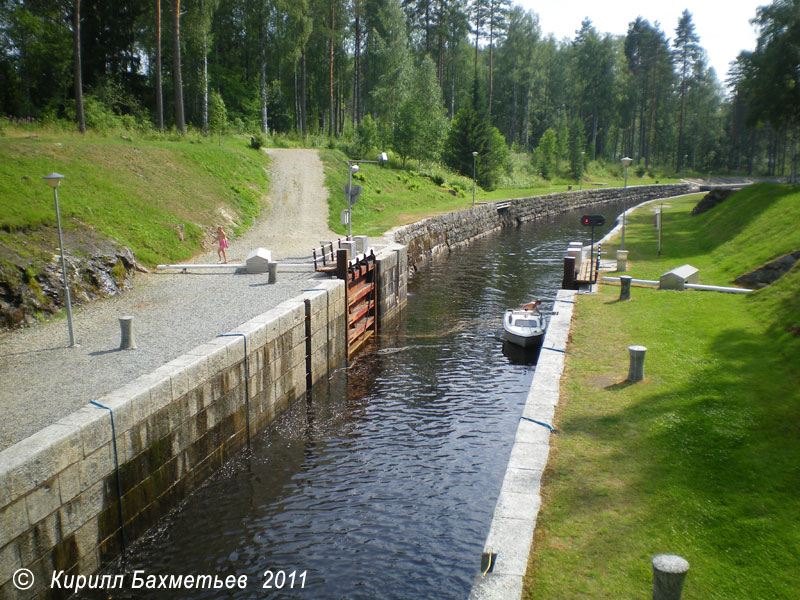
column 430, row 80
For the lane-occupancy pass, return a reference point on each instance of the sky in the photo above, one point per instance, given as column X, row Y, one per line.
column 722, row 25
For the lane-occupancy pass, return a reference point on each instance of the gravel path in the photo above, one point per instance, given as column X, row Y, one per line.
column 42, row 380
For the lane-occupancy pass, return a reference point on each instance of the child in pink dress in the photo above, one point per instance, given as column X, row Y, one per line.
column 223, row 243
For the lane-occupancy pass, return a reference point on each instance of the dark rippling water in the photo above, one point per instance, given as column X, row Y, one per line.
column 383, row 482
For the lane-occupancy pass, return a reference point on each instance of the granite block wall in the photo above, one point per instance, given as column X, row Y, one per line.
column 443, row 233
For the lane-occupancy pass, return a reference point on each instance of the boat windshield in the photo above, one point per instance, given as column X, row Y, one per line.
column 526, row 323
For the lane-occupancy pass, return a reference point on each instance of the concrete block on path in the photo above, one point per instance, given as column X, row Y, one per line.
column 258, row 261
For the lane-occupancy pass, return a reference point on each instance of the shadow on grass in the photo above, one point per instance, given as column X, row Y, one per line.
column 685, row 237
column 615, row 387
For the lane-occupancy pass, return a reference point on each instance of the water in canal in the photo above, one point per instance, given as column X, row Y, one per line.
column 383, row 482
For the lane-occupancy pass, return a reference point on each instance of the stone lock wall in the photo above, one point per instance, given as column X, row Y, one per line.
column 429, row 237
column 392, row 281
column 60, row 504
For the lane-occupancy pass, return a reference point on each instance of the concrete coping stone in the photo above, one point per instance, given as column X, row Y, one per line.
column 40, row 457
column 511, row 531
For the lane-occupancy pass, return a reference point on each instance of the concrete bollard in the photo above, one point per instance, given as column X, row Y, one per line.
column 272, row 269
column 636, row 368
column 361, row 244
column 350, row 247
column 625, row 287
column 126, row 329
column 622, row 260
column 669, row 573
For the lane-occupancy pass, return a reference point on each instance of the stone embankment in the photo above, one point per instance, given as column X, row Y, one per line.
column 444, row 233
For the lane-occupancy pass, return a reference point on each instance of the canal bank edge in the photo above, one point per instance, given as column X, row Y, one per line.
column 60, row 495
column 504, row 561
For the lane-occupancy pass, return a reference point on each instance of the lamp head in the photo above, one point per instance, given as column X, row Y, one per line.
column 626, row 161
column 474, row 154
column 53, row 179
column 355, row 168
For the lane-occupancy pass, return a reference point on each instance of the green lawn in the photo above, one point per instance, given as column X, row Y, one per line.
column 702, row 459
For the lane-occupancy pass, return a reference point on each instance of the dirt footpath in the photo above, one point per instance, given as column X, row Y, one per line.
column 296, row 218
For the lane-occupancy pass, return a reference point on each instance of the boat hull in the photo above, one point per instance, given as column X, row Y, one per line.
column 524, row 341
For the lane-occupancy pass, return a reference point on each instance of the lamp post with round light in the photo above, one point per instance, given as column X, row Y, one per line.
column 474, row 158
column 581, row 182
column 626, row 162
column 53, row 179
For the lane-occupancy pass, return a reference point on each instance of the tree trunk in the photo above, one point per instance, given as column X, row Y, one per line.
column 76, row 39
column 330, row 78
column 177, row 79
column 356, row 66
column 159, row 85
column 681, row 122
column 205, row 83
column 491, row 65
column 303, row 121
column 296, row 101
column 262, row 77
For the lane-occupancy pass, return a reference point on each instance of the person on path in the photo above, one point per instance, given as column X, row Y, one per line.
column 223, row 243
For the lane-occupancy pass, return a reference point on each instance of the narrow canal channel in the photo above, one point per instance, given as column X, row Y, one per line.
column 382, row 483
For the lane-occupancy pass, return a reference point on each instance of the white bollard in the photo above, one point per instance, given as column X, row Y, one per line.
column 126, row 328
column 622, row 260
column 669, row 573
column 636, row 367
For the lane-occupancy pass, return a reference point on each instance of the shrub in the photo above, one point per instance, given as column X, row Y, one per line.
column 257, row 140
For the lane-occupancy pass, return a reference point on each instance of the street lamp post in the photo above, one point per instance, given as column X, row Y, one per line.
column 53, row 180
column 474, row 158
column 581, row 182
column 353, row 169
column 626, row 163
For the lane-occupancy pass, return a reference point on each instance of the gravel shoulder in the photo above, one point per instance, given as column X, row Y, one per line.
column 42, row 380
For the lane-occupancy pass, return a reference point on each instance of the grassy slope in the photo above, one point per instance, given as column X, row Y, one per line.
column 134, row 192
column 701, row 459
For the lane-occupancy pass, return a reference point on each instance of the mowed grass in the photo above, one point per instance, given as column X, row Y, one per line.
column 137, row 192
column 702, row 459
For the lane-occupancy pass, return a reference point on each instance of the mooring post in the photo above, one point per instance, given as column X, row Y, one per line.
column 636, row 368
column 625, row 287
column 272, row 269
column 568, row 281
column 669, row 573
column 126, row 328
column 342, row 258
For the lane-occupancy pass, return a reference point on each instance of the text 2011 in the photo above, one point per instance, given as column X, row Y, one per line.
column 278, row 580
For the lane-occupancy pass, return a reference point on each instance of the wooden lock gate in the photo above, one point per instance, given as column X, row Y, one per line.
column 361, row 298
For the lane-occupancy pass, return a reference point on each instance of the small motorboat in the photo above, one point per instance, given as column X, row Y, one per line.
column 525, row 326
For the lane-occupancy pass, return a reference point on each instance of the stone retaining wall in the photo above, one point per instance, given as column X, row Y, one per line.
column 59, row 495
column 392, row 281
column 442, row 233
